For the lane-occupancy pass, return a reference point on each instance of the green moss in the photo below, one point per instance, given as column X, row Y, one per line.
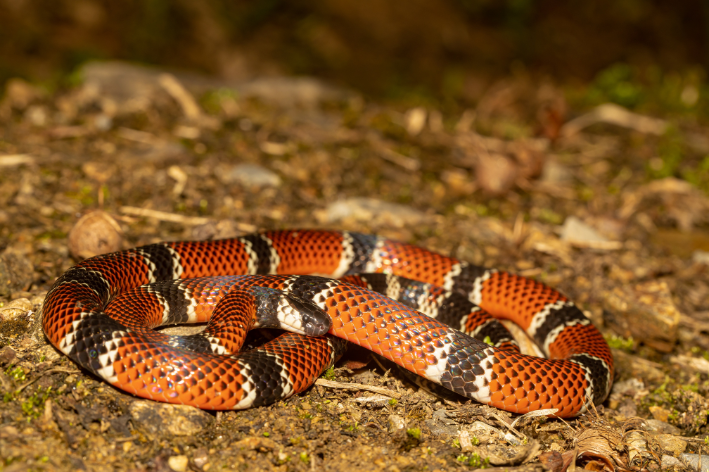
column 619, row 342
column 474, row 460
column 414, row 433
column 329, row 373
column 16, row 373
column 34, row 405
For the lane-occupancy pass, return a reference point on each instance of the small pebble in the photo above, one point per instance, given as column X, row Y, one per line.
column 700, row 257
column 161, row 418
column 252, row 175
column 575, row 230
column 466, row 444
column 7, row 355
column 178, row 463
column 16, row 309
column 373, row 211
column 95, row 233
column 200, row 457
column 16, row 273
column 395, row 423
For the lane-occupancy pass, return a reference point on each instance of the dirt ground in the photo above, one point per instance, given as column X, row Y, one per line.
column 592, row 206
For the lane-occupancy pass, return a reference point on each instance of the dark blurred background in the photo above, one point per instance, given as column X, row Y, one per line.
column 447, row 50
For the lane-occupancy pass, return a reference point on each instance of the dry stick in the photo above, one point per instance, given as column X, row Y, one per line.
column 358, row 386
column 177, row 218
column 50, row 371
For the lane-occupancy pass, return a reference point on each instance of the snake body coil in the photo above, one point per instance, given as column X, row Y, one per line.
column 101, row 313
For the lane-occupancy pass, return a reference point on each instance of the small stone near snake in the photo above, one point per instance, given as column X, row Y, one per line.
column 372, row 211
column 16, row 273
column 19, row 308
column 95, row 233
column 164, row 419
column 7, row 355
column 644, row 311
column 575, row 230
column 438, row 428
column 466, row 444
column 178, row 463
column 660, row 427
column 200, row 457
column 395, row 423
column 252, row 175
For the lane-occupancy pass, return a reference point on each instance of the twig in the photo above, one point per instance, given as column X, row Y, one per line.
column 177, row 218
column 616, row 115
column 164, row 216
column 49, row 371
column 9, row 160
column 358, row 386
column 177, row 91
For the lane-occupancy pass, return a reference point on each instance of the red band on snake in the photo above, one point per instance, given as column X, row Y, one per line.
column 101, row 314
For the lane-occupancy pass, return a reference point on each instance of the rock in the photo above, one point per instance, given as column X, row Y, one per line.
column 579, row 234
column 16, row 309
column 669, row 462
column 576, row 230
column 7, row 356
column 694, row 460
column 644, row 312
column 415, row 120
column 178, row 463
column 660, row 413
column 95, row 233
column 371, row 210
column 163, row 419
column 440, row 429
column 16, row 273
column 658, row 426
column 441, row 425
column 700, row 257
column 555, row 173
column 637, row 366
column 395, row 423
column 671, row 443
column 256, row 443
column 306, row 92
column 627, row 387
column 486, row 433
column 251, row 175
column 509, row 455
column 133, row 87
column 495, row 173
column 200, row 457
column 466, row 444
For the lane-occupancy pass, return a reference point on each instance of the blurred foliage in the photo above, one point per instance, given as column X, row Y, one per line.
column 648, row 89
column 444, row 52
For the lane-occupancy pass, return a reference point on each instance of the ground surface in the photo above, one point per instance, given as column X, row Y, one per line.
column 596, row 212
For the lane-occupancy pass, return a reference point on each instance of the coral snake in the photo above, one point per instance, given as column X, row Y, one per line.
column 101, row 313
